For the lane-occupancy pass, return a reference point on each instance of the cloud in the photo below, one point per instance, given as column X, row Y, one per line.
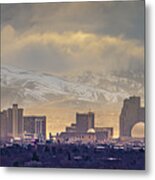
column 70, row 51
column 108, row 18
column 63, row 37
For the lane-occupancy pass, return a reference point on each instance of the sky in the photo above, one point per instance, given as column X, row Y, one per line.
column 72, row 38
column 62, row 37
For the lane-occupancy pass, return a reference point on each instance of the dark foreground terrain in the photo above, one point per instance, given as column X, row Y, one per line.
column 72, row 156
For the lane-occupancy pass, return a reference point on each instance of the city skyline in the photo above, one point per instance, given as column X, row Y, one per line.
column 78, row 56
column 15, row 124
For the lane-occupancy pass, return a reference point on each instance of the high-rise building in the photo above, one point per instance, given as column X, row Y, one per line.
column 9, row 123
column 91, row 117
column 35, row 125
column 131, row 114
column 29, row 124
column 84, row 121
column 20, row 122
column 40, row 127
column 17, row 121
column 3, row 125
column 12, row 122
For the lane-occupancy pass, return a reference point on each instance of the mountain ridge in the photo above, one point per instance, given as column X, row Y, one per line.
column 32, row 87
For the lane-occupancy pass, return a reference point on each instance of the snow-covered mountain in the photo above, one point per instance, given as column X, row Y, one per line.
column 28, row 87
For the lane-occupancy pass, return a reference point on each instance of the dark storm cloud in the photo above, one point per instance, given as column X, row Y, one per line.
column 112, row 18
column 66, row 36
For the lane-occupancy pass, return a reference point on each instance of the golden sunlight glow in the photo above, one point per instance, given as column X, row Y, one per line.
column 138, row 130
column 77, row 43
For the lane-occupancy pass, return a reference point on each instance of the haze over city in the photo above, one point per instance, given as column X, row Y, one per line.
column 63, row 58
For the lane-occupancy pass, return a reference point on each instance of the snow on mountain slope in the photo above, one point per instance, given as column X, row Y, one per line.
column 31, row 87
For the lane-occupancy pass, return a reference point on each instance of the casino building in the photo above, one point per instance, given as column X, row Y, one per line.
column 84, row 131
